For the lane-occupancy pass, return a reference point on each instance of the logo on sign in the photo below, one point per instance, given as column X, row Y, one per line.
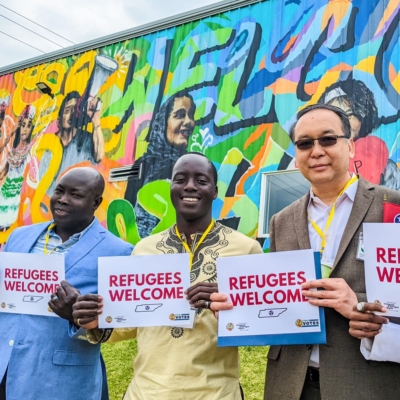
column 377, row 302
column 109, row 319
column 243, row 326
column 306, row 323
column 391, row 305
column 3, row 305
column 230, row 326
column 179, row 317
column 396, row 219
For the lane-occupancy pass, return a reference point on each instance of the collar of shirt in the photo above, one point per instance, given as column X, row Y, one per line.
column 55, row 244
column 194, row 236
column 349, row 193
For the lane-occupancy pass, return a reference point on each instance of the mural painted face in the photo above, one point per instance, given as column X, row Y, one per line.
column 321, row 165
column 26, row 129
column 180, row 122
column 69, row 114
column 355, row 123
column 193, row 188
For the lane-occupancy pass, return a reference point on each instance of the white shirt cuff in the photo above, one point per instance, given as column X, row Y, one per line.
column 385, row 346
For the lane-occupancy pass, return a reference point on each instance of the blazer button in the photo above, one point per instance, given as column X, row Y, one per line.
column 11, row 343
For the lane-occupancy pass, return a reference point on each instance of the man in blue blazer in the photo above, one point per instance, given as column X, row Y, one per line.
column 38, row 359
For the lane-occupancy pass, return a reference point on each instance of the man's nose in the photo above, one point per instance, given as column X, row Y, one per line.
column 317, row 150
column 191, row 185
column 64, row 199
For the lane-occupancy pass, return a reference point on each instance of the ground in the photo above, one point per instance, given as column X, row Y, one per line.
column 119, row 357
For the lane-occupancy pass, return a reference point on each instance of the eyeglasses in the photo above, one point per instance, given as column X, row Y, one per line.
column 324, row 141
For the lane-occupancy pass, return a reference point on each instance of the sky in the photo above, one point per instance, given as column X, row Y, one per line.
column 77, row 21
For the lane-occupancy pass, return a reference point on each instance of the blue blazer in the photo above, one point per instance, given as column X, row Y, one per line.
column 43, row 361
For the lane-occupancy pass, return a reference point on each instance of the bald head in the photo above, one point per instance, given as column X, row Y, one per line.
column 91, row 177
column 76, row 197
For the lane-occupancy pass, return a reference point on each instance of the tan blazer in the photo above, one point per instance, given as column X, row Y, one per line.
column 344, row 373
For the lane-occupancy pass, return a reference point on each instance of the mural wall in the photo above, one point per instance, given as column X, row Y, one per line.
column 228, row 86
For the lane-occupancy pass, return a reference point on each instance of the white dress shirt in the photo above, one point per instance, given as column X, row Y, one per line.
column 318, row 211
column 385, row 346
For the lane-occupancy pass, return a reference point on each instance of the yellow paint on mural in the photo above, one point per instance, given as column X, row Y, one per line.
column 327, row 80
column 389, row 10
column 367, row 65
column 79, row 74
column 111, row 122
column 234, row 157
column 336, row 9
column 396, row 83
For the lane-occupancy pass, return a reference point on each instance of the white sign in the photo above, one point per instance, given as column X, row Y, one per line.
column 28, row 280
column 269, row 308
column 382, row 265
column 141, row 291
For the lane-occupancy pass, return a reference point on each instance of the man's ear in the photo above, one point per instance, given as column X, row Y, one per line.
column 216, row 193
column 97, row 202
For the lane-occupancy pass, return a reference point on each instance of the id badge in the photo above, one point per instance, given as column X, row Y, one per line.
column 360, row 248
column 326, row 268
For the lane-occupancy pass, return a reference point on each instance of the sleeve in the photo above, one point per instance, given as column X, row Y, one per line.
column 256, row 248
column 385, row 346
column 93, row 336
column 127, row 251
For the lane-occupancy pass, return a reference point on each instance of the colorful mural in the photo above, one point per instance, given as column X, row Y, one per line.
column 228, row 86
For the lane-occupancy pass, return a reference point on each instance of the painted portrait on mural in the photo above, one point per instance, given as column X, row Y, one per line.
column 17, row 160
column 6, row 134
column 168, row 140
column 371, row 158
column 78, row 144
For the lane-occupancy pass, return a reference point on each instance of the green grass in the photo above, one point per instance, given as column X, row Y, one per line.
column 119, row 360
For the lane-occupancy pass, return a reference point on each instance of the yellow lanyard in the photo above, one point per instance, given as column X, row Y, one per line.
column 186, row 246
column 330, row 217
column 45, row 251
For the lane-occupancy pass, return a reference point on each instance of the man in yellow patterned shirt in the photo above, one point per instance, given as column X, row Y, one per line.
column 177, row 363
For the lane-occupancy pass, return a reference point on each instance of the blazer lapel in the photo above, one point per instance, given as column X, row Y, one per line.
column 362, row 202
column 301, row 222
column 88, row 241
column 31, row 236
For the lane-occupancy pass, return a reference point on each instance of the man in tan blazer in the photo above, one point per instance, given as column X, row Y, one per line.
column 337, row 370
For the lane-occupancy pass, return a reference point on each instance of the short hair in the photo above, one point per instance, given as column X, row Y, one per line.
column 214, row 170
column 346, row 128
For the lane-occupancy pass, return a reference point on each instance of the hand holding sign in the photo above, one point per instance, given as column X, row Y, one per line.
column 86, row 311
column 200, row 293
column 337, row 295
column 366, row 324
column 62, row 301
